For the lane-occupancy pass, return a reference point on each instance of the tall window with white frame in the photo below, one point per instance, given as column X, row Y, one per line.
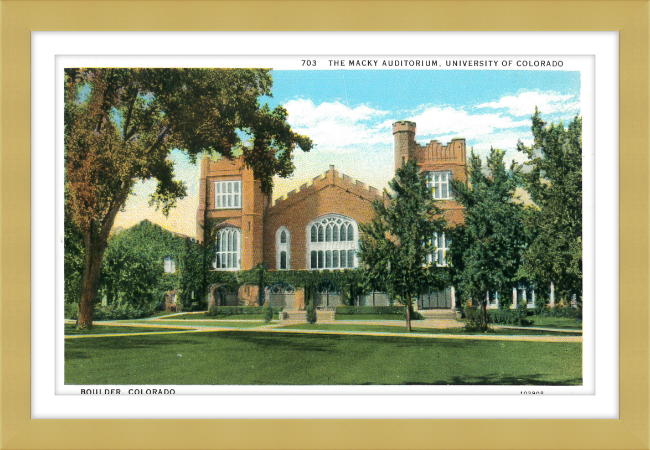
column 332, row 243
column 283, row 248
column 441, row 244
column 228, row 250
column 169, row 265
column 440, row 183
column 227, row 194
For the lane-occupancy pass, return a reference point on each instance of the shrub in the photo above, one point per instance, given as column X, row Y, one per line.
column 311, row 314
column 350, row 310
column 474, row 320
column 268, row 313
column 509, row 317
column 194, row 306
column 121, row 312
column 415, row 315
column 236, row 310
column 561, row 311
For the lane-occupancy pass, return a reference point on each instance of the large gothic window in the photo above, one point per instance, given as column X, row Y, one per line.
column 332, row 243
column 228, row 252
column 283, row 248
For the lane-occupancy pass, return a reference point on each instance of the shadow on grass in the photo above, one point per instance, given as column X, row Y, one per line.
column 498, row 379
column 276, row 341
column 131, row 342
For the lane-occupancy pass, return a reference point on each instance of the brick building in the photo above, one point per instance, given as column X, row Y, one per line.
column 317, row 225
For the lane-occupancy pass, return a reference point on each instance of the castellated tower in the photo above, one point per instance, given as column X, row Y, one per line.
column 404, row 135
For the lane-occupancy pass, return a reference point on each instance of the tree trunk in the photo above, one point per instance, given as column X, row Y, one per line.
column 94, row 253
column 408, row 315
column 484, row 314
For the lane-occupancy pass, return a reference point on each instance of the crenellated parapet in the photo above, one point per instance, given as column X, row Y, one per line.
column 331, row 178
column 435, row 152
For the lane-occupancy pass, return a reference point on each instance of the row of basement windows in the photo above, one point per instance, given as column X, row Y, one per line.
column 227, row 195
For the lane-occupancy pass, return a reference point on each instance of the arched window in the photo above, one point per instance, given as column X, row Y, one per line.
column 283, row 248
column 332, row 243
column 228, row 253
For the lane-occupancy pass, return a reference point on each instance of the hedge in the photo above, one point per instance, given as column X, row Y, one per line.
column 111, row 312
column 350, row 310
column 388, row 310
column 509, row 317
column 561, row 311
column 236, row 310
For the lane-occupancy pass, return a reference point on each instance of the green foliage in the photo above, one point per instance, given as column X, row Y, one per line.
column 73, row 261
column 486, row 250
column 555, row 185
column 120, row 125
column 122, row 311
column 311, row 314
column 561, row 311
column 395, row 245
column 193, row 274
column 111, row 312
column 415, row 315
column 509, row 317
column 349, row 282
column 237, row 310
column 133, row 267
column 71, row 310
column 355, row 310
column 257, row 276
column 267, row 311
column 474, row 320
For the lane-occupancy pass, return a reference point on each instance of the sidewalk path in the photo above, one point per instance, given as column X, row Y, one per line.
column 275, row 328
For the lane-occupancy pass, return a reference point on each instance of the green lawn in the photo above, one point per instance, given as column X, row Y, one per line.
column 70, row 330
column 400, row 329
column 211, row 323
column 282, row 358
column 220, row 317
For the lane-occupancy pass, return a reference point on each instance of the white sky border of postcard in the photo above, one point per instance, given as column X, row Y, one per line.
column 597, row 61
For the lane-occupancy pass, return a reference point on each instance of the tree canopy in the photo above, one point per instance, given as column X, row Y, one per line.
column 555, row 185
column 394, row 247
column 121, row 124
column 492, row 239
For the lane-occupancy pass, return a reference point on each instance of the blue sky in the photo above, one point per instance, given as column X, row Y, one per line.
column 348, row 114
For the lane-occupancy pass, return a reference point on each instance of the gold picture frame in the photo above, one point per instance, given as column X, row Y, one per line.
column 19, row 18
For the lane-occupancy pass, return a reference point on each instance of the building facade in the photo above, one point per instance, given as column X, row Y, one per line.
column 316, row 226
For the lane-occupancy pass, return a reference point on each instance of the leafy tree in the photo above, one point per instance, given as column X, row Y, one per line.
column 486, row 252
column 121, row 124
column 555, row 185
column 395, row 245
column 72, row 262
column 459, row 238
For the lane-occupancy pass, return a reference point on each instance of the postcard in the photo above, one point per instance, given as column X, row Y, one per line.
column 341, row 224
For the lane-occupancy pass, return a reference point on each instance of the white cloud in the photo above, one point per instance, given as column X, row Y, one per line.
column 437, row 121
column 336, row 126
column 524, row 103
